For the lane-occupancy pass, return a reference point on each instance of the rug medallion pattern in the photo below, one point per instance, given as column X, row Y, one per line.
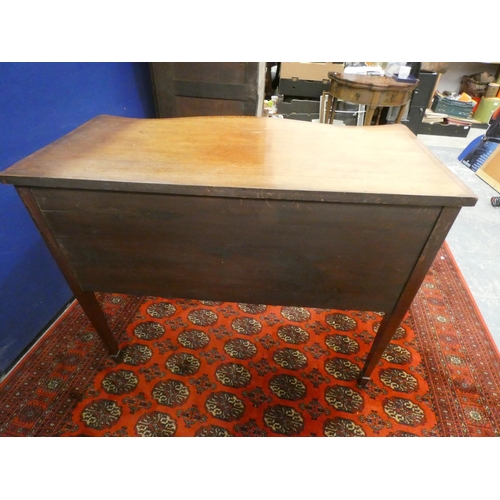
column 199, row 368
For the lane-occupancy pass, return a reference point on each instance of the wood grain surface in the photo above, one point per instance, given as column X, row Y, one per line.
column 253, row 251
column 245, row 157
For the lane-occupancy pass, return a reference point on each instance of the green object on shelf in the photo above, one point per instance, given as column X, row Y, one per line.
column 486, row 108
column 452, row 107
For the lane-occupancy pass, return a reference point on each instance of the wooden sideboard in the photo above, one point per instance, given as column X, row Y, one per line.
column 242, row 209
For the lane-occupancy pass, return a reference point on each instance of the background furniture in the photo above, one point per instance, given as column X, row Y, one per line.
column 241, row 209
column 208, row 88
column 301, row 86
column 421, row 99
column 371, row 91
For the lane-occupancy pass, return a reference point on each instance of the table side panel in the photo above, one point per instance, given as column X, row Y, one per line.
column 329, row 255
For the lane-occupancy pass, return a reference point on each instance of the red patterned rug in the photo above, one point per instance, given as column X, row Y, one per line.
column 197, row 368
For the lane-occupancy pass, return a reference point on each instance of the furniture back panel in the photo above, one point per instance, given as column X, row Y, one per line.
column 341, row 255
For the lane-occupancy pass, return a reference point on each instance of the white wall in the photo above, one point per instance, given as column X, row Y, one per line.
column 451, row 79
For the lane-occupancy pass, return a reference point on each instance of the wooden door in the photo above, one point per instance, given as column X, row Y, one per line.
column 208, row 88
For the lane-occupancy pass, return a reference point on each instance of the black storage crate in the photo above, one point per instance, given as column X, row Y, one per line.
column 445, row 129
column 295, row 87
column 298, row 109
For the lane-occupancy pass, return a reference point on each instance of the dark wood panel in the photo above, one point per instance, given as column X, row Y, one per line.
column 194, row 106
column 86, row 299
column 210, row 72
column 394, row 317
column 235, row 82
column 204, row 90
column 265, row 251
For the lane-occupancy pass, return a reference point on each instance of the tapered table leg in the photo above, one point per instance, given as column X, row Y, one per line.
column 86, row 299
column 369, row 115
column 333, row 107
column 392, row 320
column 92, row 309
column 384, row 335
column 400, row 113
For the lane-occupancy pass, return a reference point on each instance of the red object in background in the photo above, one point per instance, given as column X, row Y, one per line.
column 477, row 100
column 493, row 131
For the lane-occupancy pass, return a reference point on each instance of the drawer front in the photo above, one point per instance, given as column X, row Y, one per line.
column 354, row 95
column 394, row 98
column 348, row 256
column 370, row 97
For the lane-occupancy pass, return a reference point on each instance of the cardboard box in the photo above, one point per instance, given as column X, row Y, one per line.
column 316, row 71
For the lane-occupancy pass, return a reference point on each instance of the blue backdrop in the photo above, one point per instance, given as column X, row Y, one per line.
column 39, row 103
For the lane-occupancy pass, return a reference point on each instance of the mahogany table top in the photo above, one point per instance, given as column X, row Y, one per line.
column 245, row 156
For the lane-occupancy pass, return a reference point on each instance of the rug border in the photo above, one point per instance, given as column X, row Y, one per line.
column 39, row 337
column 472, row 299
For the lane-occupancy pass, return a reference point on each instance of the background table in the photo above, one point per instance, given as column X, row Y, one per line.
column 371, row 91
column 242, row 209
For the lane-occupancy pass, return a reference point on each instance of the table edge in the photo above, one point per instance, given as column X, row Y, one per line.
column 243, row 193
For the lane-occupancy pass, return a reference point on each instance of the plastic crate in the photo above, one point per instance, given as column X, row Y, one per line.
column 452, row 107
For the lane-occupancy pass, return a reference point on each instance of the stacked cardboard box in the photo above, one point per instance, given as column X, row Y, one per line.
column 300, row 88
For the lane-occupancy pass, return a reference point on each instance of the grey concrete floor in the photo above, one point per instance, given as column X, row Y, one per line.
column 474, row 239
